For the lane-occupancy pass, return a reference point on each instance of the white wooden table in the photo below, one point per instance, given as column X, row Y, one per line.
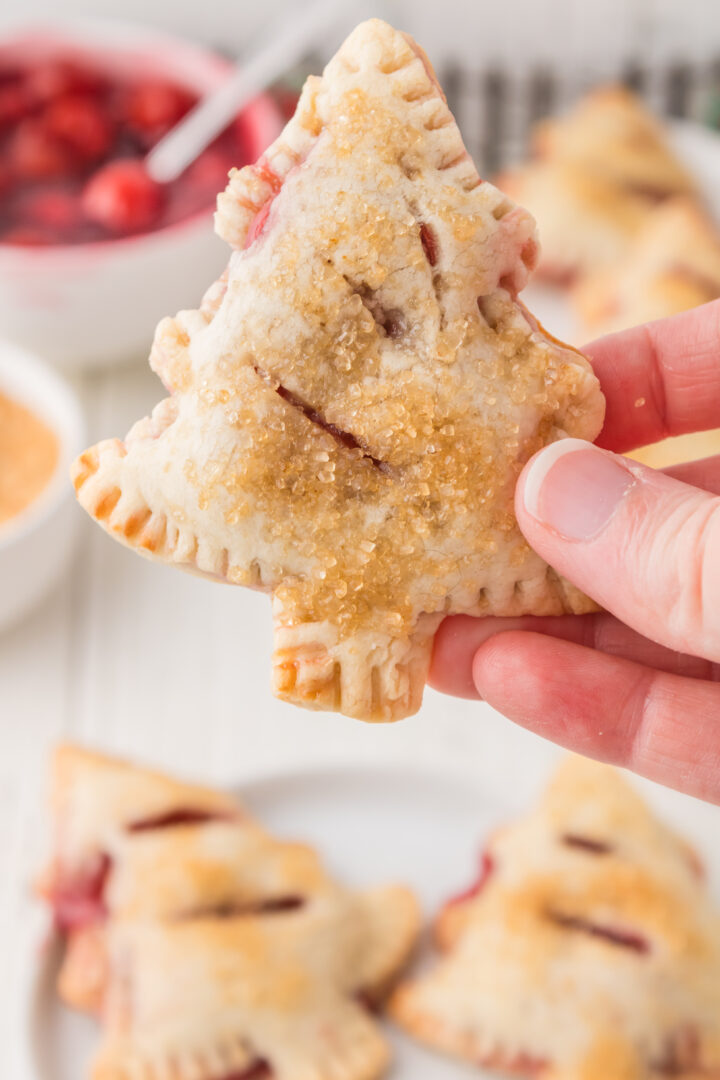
column 170, row 669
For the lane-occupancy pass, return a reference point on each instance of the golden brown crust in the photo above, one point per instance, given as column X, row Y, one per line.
column 612, row 133
column 596, row 174
column 352, row 406
column 209, row 946
column 674, row 266
column 591, row 950
column 83, row 977
column 94, row 799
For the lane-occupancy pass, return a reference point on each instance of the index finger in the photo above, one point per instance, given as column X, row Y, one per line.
column 660, row 379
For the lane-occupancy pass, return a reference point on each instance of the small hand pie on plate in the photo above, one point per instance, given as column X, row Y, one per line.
column 588, row 950
column 595, row 174
column 211, row 950
column 674, row 266
column 352, row 404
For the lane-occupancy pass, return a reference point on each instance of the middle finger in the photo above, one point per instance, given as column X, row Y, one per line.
column 460, row 636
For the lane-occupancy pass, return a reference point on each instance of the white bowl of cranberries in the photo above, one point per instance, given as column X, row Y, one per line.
column 92, row 251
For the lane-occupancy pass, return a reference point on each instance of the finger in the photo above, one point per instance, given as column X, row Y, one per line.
column 662, row 726
column 460, row 636
column 704, row 474
column 660, row 379
column 644, row 545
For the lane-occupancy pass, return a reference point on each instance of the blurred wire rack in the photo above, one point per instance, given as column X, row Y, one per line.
column 496, row 109
column 505, row 66
column 496, row 106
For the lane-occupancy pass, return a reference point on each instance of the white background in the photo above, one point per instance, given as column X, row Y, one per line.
column 569, row 32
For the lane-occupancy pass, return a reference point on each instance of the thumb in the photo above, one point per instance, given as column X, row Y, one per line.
column 644, row 545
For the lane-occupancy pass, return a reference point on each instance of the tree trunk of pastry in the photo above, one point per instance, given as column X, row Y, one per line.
column 365, row 674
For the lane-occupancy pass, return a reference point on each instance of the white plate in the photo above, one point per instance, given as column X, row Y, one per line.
column 373, row 825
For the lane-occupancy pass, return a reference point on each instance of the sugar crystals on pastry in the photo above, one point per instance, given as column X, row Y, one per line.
column 589, row 948
column 353, row 402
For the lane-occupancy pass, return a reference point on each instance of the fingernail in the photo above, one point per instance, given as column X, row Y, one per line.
column 574, row 488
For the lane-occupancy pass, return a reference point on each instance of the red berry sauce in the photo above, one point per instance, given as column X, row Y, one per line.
column 72, row 143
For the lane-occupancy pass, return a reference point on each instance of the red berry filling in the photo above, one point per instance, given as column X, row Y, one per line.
column 152, row 108
column 429, row 243
column 513, row 1064
column 53, row 208
column 186, row 815
column 280, row 904
column 682, row 1056
column 624, row 939
column 64, row 122
column 258, row 224
column 80, row 902
column 263, row 172
column 51, row 79
column 487, row 868
column 82, row 125
column 344, row 438
column 35, row 154
column 13, row 105
column 122, row 198
column 586, row 843
column 273, row 906
column 259, row 1070
column 26, row 236
column 287, row 101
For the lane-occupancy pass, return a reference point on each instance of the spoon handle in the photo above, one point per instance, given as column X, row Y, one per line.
column 186, row 141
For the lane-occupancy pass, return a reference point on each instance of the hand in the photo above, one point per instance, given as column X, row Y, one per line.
column 638, row 684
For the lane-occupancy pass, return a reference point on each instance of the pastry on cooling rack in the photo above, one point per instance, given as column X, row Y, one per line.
column 352, row 405
column 674, row 265
column 594, row 175
column 209, row 948
column 589, row 949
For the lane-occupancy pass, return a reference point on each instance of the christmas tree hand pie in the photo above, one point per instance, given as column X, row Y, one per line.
column 209, row 949
column 352, row 404
column 588, row 949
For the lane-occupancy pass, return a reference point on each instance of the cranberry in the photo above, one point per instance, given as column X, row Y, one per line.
column 61, row 121
column 26, row 236
column 82, row 125
column 14, row 105
column 10, row 74
column 152, row 108
column 209, row 173
column 55, row 78
column 287, row 100
column 123, row 198
column 6, row 179
column 256, row 126
column 34, row 154
column 53, row 209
